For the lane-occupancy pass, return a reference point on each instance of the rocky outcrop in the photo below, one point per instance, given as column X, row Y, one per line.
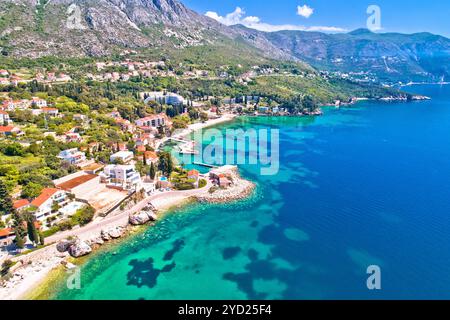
column 79, row 248
column 142, row 217
column 64, row 245
column 111, row 233
column 239, row 188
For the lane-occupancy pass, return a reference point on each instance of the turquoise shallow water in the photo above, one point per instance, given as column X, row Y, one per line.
column 359, row 186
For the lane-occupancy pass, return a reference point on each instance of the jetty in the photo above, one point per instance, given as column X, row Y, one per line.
column 201, row 164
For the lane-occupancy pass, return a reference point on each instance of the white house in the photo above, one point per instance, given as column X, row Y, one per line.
column 122, row 156
column 124, row 177
column 44, row 202
column 72, row 156
column 38, row 102
column 154, row 121
column 4, row 118
column 163, row 98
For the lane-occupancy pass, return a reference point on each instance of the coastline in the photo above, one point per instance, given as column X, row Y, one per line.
column 37, row 270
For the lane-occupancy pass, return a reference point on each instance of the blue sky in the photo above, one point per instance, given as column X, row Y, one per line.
column 338, row 15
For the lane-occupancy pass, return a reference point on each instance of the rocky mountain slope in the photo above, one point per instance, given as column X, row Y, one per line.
column 79, row 28
column 36, row 28
column 391, row 56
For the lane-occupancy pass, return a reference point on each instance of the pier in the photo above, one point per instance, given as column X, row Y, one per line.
column 205, row 165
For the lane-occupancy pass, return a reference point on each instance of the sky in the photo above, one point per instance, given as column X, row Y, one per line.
column 330, row 15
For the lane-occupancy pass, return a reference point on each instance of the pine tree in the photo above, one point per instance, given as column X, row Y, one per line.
column 32, row 231
column 152, row 171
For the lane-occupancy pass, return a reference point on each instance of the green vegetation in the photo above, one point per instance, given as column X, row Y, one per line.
column 165, row 164
column 6, row 266
column 82, row 217
column 202, row 183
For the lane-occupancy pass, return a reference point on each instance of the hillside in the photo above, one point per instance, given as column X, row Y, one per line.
column 94, row 28
column 389, row 56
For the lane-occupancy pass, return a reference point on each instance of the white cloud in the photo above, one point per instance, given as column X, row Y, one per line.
column 238, row 17
column 305, row 11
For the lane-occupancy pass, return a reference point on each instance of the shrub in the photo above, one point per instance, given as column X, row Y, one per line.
column 202, row 183
column 6, row 265
column 184, row 186
column 83, row 216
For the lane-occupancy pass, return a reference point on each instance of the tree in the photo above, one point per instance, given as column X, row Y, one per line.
column 33, row 234
column 41, row 238
column 55, row 206
column 6, row 266
column 6, row 204
column 20, row 243
column 165, row 163
column 31, row 190
column 203, row 116
column 14, row 149
column 152, row 171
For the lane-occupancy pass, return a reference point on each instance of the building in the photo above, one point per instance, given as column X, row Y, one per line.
column 154, row 121
column 163, row 98
column 124, row 177
column 4, row 118
column 72, row 156
column 80, row 117
column 224, row 182
column 10, row 130
column 141, row 148
column 115, row 115
column 193, row 175
column 38, row 102
column 78, row 183
column 22, row 204
column 150, row 157
column 53, row 112
column 7, row 237
column 73, row 137
column 122, row 157
column 44, row 203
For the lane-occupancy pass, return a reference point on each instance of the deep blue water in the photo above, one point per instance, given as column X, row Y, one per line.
column 364, row 185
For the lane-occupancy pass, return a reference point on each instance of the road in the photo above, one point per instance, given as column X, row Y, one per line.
column 119, row 218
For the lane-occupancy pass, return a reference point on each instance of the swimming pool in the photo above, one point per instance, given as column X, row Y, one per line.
column 72, row 208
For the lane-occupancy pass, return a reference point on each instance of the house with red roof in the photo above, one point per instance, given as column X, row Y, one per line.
column 150, row 157
column 141, row 148
column 193, row 174
column 6, row 237
column 21, row 204
column 10, row 130
column 45, row 201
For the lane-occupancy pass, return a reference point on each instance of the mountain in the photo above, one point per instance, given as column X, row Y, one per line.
column 389, row 56
column 38, row 28
column 34, row 28
column 41, row 28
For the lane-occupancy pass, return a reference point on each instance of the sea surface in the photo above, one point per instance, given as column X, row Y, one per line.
column 363, row 185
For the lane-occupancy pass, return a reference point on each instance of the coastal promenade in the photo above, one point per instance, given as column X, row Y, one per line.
column 160, row 200
column 36, row 265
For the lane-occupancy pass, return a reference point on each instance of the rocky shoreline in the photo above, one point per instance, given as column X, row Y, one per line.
column 239, row 189
column 78, row 248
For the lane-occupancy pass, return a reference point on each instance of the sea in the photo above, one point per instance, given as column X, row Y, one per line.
column 361, row 187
